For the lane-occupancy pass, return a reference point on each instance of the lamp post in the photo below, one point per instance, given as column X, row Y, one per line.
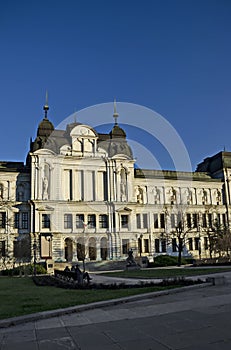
column 199, row 242
column 34, row 251
column 179, row 230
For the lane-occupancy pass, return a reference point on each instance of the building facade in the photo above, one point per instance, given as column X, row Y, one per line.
column 79, row 196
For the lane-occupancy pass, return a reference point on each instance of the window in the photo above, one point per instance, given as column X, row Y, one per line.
column 174, row 245
column 204, row 220
column 189, row 221
column 2, row 219
column 16, row 220
column 224, row 219
column 157, row 245
column 195, row 220
column 1, row 191
column 163, row 246
column 2, row 248
column 79, row 220
column 162, row 221
column 179, row 220
column 210, row 220
column 206, row 245
column 46, row 223
column 145, row 220
column 197, row 242
column 67, row 220
column 138, row 221
column 124, row 221
column 146, row 246
column 190, row 244
column 25, row 220
column 156, row 221
column 91, row 221
column 125, row 246
column 103, row 221
column 218, row 219
column 173, row 224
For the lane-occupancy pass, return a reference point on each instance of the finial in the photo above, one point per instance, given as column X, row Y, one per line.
column 115, row 114
column 46, row 107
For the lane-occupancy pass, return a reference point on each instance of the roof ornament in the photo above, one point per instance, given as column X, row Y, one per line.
column 46, row 107
column 115, row 114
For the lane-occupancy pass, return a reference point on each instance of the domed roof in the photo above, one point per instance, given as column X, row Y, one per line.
column 45, row 128
column 117, row 132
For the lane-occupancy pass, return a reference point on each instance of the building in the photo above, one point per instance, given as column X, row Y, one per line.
column 79, row 196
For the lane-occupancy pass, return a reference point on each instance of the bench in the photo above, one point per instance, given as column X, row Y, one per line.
column 70, row 276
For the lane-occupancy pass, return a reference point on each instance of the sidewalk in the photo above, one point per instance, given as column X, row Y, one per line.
column 193, row 318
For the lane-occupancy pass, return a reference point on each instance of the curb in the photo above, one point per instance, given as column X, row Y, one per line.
column 13, row 321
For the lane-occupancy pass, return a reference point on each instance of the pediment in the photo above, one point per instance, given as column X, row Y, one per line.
column 124, row 210
column 45, row 208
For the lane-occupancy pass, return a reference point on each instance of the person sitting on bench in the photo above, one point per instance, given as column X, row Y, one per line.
column 82, row 275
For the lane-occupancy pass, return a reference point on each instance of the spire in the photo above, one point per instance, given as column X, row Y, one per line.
column 115, row 114
column 46, row 107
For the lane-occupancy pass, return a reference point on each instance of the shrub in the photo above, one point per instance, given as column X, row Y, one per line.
column 24, row 270
column 166, row 260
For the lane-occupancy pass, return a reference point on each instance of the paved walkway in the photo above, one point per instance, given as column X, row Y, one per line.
column 196, row 319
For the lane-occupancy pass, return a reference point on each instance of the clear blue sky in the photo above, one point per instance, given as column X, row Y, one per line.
column 173, row 56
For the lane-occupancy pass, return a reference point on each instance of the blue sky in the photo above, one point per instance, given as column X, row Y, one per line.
column 172, row 56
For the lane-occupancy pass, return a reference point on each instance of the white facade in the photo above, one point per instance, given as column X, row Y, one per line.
column 84, row 197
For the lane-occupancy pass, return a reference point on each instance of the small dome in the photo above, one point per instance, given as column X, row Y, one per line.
column 45, row 128
column 117, row 132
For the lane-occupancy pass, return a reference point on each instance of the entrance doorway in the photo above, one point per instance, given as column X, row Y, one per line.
column 68, row 250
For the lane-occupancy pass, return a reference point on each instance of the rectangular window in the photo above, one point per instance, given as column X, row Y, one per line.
column 162, row 221
column 46, row 223
column 124, row 221
column 206, row 245
column 156, row 224
column 145, row 220
column 138, row 221
column 224, row 219
column 2, row 220
column 25, row 220
column 204, row 220
column 91, row 221
column 190, row 244
column 103, row 221
column 79, row 220
column 173, row 223
column 125, row 246
column 210, row 220
column 163, row 246
column 2, row 248
column 218, row 220
column 196, row 240
column 105, row 186
column 146, row 246
column 67, row 220
column 189, row 221
column 16, row 220
column 174, row 245
column 179, row 220
column 195, row 220
column 157, row 245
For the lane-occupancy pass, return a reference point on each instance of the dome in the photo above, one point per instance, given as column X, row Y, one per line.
column 45, row 128
column 117, row 132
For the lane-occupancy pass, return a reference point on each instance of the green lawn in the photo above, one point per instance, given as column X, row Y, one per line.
column 20, row 296
column 165, row 273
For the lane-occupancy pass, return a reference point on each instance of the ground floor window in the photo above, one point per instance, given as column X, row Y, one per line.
column 146, row 245
column 125, row 246
column 2, row 248
column 157, row 245
column 174, row 245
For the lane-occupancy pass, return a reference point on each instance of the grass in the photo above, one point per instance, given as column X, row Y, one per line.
column 20, row 296
column 165, row 273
